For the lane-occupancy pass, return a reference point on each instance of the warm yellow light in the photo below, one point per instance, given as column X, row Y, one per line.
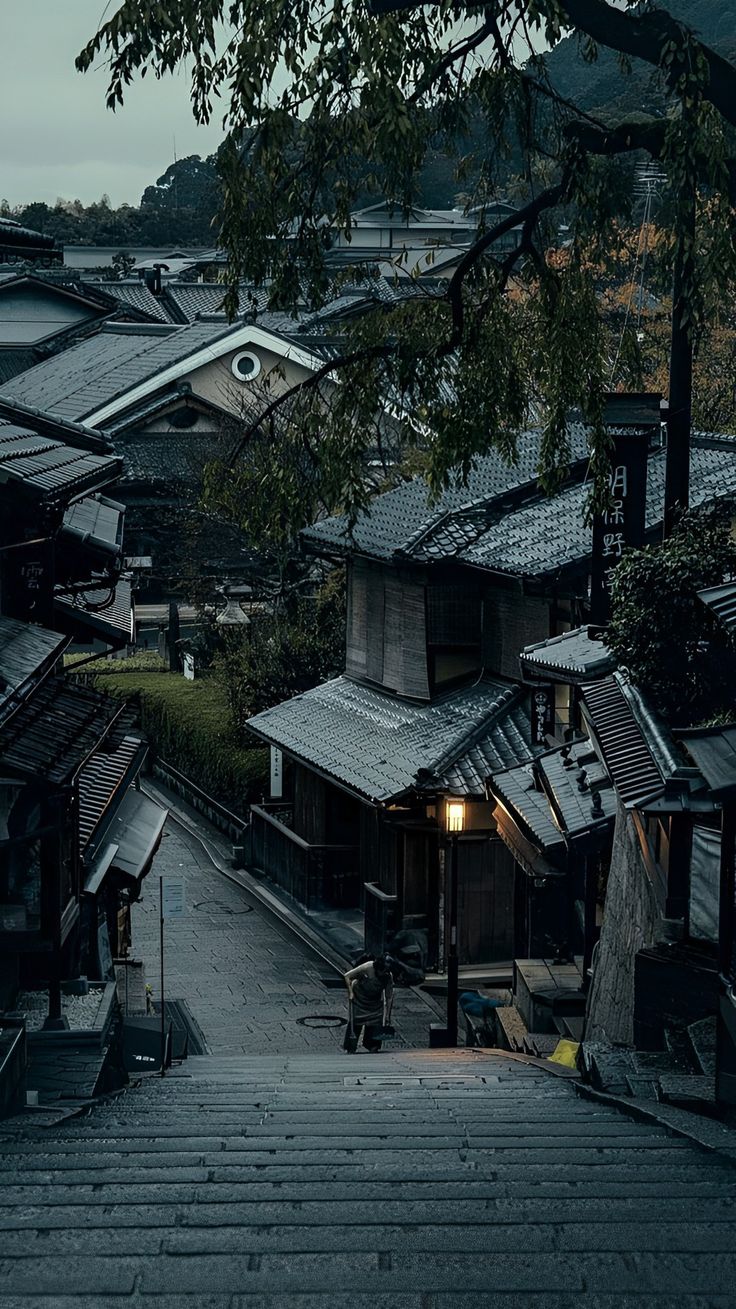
column 455, row 815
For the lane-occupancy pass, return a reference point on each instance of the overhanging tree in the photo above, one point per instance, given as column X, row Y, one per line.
column 323, row 98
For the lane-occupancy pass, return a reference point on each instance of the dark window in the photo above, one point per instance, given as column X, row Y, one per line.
column 454, row 622
column 453, row 616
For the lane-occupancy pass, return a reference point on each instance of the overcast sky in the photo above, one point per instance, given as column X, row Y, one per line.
column 58, row 138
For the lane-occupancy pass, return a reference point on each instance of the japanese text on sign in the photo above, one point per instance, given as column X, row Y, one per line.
column 173, row 897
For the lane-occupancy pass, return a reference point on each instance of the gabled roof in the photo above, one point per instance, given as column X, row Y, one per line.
column 27, row 653
column 49, row 470
column 124, row 364
column 382, row 747
column 578, row 656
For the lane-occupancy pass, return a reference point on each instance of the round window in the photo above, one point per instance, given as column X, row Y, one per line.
column 246, row 366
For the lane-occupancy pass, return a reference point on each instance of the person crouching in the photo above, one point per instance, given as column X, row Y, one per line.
column 370, row 996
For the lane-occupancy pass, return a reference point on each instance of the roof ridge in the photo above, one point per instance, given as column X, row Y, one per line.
column 509, row 694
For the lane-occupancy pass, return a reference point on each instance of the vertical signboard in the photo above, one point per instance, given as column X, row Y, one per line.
column 543, row 714
column 622, row 524
column 277, row 773
column 173, row 897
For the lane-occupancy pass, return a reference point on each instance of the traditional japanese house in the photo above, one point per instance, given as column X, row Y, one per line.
column 441, row 601
column 66, row 756
column 169, row 397
column 43, row 314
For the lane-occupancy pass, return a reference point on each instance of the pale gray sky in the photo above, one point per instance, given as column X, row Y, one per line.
column 58, row 139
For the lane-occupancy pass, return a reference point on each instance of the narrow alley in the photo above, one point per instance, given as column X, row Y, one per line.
column 248, row 982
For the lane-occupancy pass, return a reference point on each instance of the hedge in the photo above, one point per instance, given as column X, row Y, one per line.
column 187, row 725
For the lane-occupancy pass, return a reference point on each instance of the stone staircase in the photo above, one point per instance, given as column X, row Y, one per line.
column 415, row 1180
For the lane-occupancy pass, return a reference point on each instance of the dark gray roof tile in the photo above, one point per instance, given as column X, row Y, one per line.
column 580, row 655
column 382, row 747
column 105, row 366
column 47, row 468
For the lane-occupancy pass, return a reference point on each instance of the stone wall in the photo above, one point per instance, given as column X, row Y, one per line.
column 631, row 920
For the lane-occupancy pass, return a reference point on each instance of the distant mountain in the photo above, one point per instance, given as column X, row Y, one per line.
column 601, row 87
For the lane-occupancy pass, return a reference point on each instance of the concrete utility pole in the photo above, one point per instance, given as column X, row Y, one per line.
column 679, row 417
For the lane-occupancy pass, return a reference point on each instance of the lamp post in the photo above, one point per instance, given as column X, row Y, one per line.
column 455, row 817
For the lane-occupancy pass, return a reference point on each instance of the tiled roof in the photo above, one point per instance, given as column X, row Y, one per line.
column 570, row 778
column 713, row 750
column 539, row 537
column 404, row 519
column 56, row 730
column 580, row 655
column 722, row 601
column 551, row 799
column 195, row 299
column 137, row 295
column 47, row 468
column 172, row 457
column 103, row 780
column 623, row 746
column 102, row 367
column 103, row 613
column 520, row 795
column 503, row 743
column 25, row 650
column 96, row 521
column 15, row 361
column 382, row 747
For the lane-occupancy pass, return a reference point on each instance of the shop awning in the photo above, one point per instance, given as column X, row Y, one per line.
column 96, row 874
column 526, row 854
column 136, row 830
column 102, row 784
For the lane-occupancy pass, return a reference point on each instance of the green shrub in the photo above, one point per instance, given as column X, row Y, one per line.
column 143, row 661
column 188, row 725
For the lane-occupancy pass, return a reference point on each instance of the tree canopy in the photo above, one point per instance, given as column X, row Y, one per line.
column 322, row 99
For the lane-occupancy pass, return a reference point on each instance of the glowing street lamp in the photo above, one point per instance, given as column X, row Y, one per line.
column 455, row 824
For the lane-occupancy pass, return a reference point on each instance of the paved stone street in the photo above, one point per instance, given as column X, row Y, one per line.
column 246, row 980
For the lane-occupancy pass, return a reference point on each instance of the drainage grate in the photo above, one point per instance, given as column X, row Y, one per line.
column 321, row 1020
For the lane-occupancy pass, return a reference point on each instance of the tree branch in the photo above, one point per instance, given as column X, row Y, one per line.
column 524, row 218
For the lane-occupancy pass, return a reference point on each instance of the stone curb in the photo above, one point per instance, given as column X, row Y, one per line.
column 706, row 1133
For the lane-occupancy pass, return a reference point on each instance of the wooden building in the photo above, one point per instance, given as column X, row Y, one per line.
column 442, row 599
column 67, row 759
